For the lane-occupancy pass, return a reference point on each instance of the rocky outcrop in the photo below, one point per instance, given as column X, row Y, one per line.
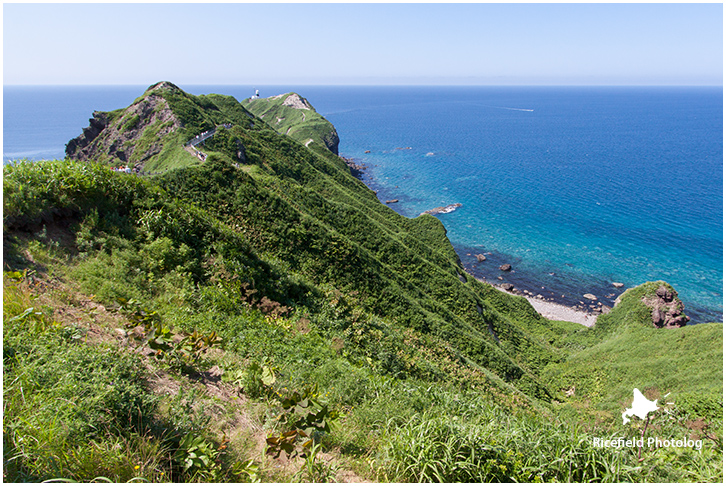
column 442, row 209
column 355, row 168
column 480, row 258
column 332, row 140
column 506, row 267
column 667, row 308
column 114, row 137
column 93, row 130
column 241, row 152
column 296, row 101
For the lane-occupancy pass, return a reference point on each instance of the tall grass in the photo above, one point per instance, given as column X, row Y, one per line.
column 465, row 439
column 497, row 447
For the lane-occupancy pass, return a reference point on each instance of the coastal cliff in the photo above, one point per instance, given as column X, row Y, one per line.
column 130, row 136
column 304, row 207
column 293, row 115
column 310, row 201
column 253, row 284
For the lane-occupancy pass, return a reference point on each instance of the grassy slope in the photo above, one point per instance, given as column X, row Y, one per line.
column 301, row 125
column 431, row 422
column 343, row 235
column 377, row 315
column 308, row 211
column 624, row 351
column 403, row 270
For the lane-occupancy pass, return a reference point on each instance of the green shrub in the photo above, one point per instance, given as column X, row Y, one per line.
column 131, row 124
column 705, row 405
column 52, row 188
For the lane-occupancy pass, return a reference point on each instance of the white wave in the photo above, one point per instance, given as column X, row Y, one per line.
column 513, row 109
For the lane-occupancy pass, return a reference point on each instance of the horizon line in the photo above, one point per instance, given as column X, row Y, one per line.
column 373, row 85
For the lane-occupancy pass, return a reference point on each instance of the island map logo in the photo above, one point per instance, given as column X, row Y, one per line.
column 640, row 408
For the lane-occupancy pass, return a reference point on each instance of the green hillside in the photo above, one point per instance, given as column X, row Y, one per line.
column 258, row 297
column 625, row 350
column 292, row 115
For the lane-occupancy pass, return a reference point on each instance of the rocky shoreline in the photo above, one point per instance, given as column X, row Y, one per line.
column 582, row 314
column 357, row 170
column 551, row 310
column 547, row 297
column 547, row 308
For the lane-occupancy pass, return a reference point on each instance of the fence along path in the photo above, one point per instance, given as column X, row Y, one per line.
column 191, row 145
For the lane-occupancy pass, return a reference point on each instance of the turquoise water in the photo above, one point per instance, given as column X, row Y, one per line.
column 575, row 187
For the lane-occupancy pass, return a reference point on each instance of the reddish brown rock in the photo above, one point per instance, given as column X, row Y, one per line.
column 667, row 308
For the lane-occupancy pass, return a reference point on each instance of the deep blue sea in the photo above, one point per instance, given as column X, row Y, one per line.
column 576, row 187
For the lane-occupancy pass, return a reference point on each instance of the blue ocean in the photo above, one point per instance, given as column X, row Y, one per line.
column 575, row 187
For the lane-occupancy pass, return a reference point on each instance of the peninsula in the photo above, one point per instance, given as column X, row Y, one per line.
column 243, row 308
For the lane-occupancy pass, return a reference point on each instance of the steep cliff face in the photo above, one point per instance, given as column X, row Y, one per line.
column 168, row 128
column 291, row 114
column 79, row 146
column 130, row 136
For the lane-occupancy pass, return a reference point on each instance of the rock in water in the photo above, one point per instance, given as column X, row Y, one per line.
column 506, row 267
column 443, row 209
column 480, row 258
column 590, row 296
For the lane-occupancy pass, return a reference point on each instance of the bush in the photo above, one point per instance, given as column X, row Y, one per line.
column 43, row 190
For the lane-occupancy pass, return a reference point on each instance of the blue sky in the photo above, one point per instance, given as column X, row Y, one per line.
column 641, row 44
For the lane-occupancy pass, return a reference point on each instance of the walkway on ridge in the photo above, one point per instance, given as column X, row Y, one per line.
column 201, row 138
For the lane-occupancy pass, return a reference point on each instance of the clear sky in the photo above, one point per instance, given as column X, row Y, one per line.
column 641, row 44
